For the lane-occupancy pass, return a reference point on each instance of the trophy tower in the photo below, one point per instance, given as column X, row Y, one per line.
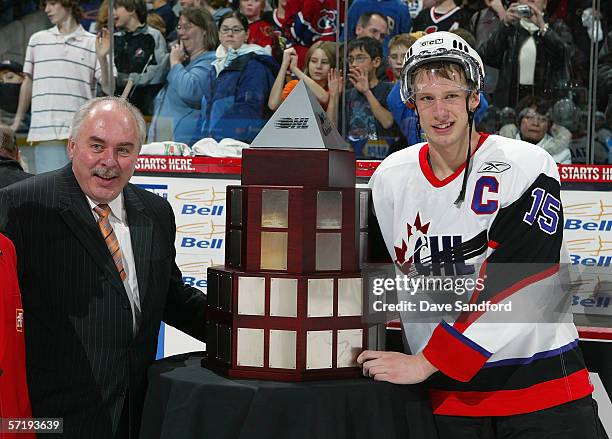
column 287, row 305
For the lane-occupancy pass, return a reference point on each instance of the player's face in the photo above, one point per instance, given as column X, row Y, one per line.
column 57, row 13
column 105, row 151
column 441, row 106
column 533, row 126
column 318, row 66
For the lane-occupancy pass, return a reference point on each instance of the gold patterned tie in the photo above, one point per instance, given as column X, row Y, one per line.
column 103, row 210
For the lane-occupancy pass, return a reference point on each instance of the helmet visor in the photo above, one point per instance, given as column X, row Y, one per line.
column 428, row 85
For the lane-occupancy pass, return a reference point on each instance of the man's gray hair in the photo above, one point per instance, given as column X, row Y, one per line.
column 86, row 108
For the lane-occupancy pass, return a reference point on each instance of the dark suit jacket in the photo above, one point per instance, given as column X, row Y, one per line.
column 81, row 354
column 11, row 172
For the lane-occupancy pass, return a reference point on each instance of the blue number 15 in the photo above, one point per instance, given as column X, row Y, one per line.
column 545, row 209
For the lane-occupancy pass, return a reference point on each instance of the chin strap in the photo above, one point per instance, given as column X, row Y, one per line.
column 466, row 171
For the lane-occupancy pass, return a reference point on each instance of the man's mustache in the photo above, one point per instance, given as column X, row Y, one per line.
column 106, row 172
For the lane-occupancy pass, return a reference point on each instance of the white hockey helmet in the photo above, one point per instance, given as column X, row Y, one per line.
column 440, row 46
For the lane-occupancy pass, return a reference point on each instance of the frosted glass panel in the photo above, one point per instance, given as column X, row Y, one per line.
column 320, row 298
column 250, row 348
column 349, row 297
column 364, row 197
column 328, row 252
column 283, row 297
column 349, row 347
column 282, row 349
column 235, row 247
column 329, row 210
column 274, row 250
column 275, row 208
column 236, row 197
column 318, row 349
column 251, row 295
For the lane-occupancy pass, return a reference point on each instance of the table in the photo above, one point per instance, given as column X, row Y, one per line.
column 185, row 400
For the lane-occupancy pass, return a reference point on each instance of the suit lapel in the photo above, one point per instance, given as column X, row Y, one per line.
column 141, row 232
column 77, row 214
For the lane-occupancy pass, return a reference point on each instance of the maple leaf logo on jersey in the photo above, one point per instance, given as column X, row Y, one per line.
column 416, row 234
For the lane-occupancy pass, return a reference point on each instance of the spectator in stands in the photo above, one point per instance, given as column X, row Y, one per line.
column 70, row 60
column 279, row 15
column 373, row 25
column 309, row 21
column 156, row 22
column 604, row 74
column 443, row 15
column 177, row 105
column 261, row 26
column 163, row 8
column 218, row 8
column 395, row 12
column 482, row 24
column 139, row 52
column 398, row 46
column 319, row 60
column 11, row 77
column 10, row 168
column 535, row 126
column 370, row 127
column 235, row 97
column 531, row 53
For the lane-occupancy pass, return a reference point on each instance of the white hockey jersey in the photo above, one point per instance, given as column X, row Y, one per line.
column 511, row 226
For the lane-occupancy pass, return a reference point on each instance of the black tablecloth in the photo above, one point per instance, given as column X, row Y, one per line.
column 185, row 400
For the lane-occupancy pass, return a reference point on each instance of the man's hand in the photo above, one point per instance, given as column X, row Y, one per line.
column 359, row 79
column 498, row 7
column 395, row 367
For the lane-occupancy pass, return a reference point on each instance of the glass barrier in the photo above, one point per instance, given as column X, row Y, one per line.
column 202, row 70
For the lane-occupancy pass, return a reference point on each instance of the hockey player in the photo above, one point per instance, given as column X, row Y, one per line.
column 492, row 200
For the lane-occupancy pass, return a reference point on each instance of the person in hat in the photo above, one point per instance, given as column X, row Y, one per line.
column 11, row 77
column 469, row 205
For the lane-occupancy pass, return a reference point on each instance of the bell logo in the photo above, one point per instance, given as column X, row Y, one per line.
column 19, row 320
column 292, row 123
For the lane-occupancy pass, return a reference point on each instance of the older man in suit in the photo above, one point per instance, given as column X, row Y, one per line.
column 97, row 273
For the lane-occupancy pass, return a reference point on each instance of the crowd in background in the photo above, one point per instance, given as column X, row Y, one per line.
column 218, row 69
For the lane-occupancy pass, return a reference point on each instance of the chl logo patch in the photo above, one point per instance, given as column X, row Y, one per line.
column 292, row 123
column 494, row 167
column 19, row 319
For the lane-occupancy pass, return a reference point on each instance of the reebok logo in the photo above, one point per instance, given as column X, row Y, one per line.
column 494, row 167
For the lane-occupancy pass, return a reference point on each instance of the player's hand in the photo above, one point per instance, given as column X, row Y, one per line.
column 103, row 43
column 335, row 83
column 395, row 367
column 177, row 53
column 359, row 79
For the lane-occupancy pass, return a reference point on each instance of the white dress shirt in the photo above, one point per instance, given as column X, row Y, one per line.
column 118, row 221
